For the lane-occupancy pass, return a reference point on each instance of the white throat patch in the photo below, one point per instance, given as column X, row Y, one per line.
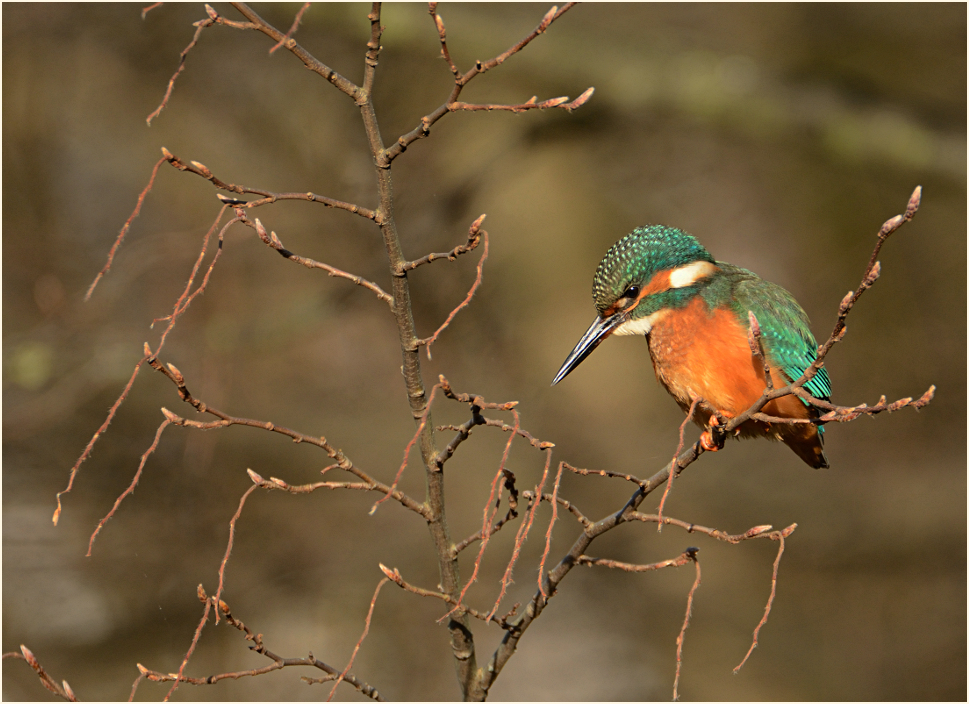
column 640, row 326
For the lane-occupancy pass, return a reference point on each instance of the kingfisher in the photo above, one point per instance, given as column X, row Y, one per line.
column 660, row 282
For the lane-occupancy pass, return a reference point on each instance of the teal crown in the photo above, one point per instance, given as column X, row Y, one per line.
column 638, row 256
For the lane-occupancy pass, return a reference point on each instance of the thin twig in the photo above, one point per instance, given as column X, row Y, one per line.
column 62, row 690
column 199, row 26
column 770, row 600
column 257, row 646
column 124, row 228
column 428, row 341
column 131, row 487
column 273, row 241
column 292, row 29
column 356, row 648
column 679, row 449
column 423, row 129
column 268, row 197
column 686, row 622
column 312, row 63
column 395, row 576
column 180, row 306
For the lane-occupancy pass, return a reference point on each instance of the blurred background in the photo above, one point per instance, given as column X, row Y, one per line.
column 781, row 135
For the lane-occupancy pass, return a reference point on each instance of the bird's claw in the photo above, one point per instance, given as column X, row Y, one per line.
column 707, row 442
column 712, row 440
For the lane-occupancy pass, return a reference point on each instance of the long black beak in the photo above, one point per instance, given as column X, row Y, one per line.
column 597, row 332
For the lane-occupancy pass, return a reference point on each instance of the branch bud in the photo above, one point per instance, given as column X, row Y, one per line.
column 547, row 20
column 211, row 12
column 753, row 333
column 913, row 203
column 581, row 100
column 890, row 226
column 203, row 169
column 255, row 477
column 228, row 200
column 554, row 102
column 873, row 275
column 845, row 303
column 392, row 575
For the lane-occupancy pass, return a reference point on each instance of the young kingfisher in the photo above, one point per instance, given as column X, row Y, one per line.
column 660, row 282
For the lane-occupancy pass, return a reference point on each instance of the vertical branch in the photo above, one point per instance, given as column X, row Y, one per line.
column 462, row 643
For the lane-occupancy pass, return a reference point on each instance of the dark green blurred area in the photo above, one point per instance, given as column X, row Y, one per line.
column 782, row 136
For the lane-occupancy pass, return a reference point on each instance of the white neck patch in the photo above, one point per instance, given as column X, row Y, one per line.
column 689, row 274
column 640, row 326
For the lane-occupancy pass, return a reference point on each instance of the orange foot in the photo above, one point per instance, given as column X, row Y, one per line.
column 707, row 443
column 706, row 437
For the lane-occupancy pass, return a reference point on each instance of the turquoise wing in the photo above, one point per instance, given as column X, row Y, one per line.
column 784, row 325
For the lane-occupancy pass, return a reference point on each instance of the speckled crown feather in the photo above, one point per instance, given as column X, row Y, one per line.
column 638, row 256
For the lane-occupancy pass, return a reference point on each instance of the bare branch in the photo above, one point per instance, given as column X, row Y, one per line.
column 273, row 241
column 530, row 104
column 124, row 230
column 679, row 448
column 460, row 80
column 257, row 646
column 268, row 197
column 559, row 501
column 180, row 306
column 428, row 341
column 258, row 23
column 356, row 648
column 292, row 29
column 604, row 473
column 62, row 690
column 686, row 622
column 131, row 487
column 225, row 420
column 199, row 26
column 770, row 599
column 474, row 238
column 685, row 558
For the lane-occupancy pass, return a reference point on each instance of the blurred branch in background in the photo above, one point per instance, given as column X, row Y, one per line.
column 343, row 386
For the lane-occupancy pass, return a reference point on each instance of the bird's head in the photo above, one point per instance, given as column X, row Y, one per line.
column 643, row 276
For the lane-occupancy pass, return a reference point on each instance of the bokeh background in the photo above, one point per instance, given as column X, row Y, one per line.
column 782, row 136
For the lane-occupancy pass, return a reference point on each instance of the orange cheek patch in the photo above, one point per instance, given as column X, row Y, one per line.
column 660, row 282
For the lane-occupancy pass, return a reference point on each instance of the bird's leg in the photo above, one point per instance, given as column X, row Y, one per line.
column 712, row 440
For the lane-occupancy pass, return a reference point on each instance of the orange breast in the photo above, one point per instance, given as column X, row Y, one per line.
column 699, row 352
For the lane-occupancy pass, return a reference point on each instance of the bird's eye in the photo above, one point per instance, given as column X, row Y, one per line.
column 631, row 292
